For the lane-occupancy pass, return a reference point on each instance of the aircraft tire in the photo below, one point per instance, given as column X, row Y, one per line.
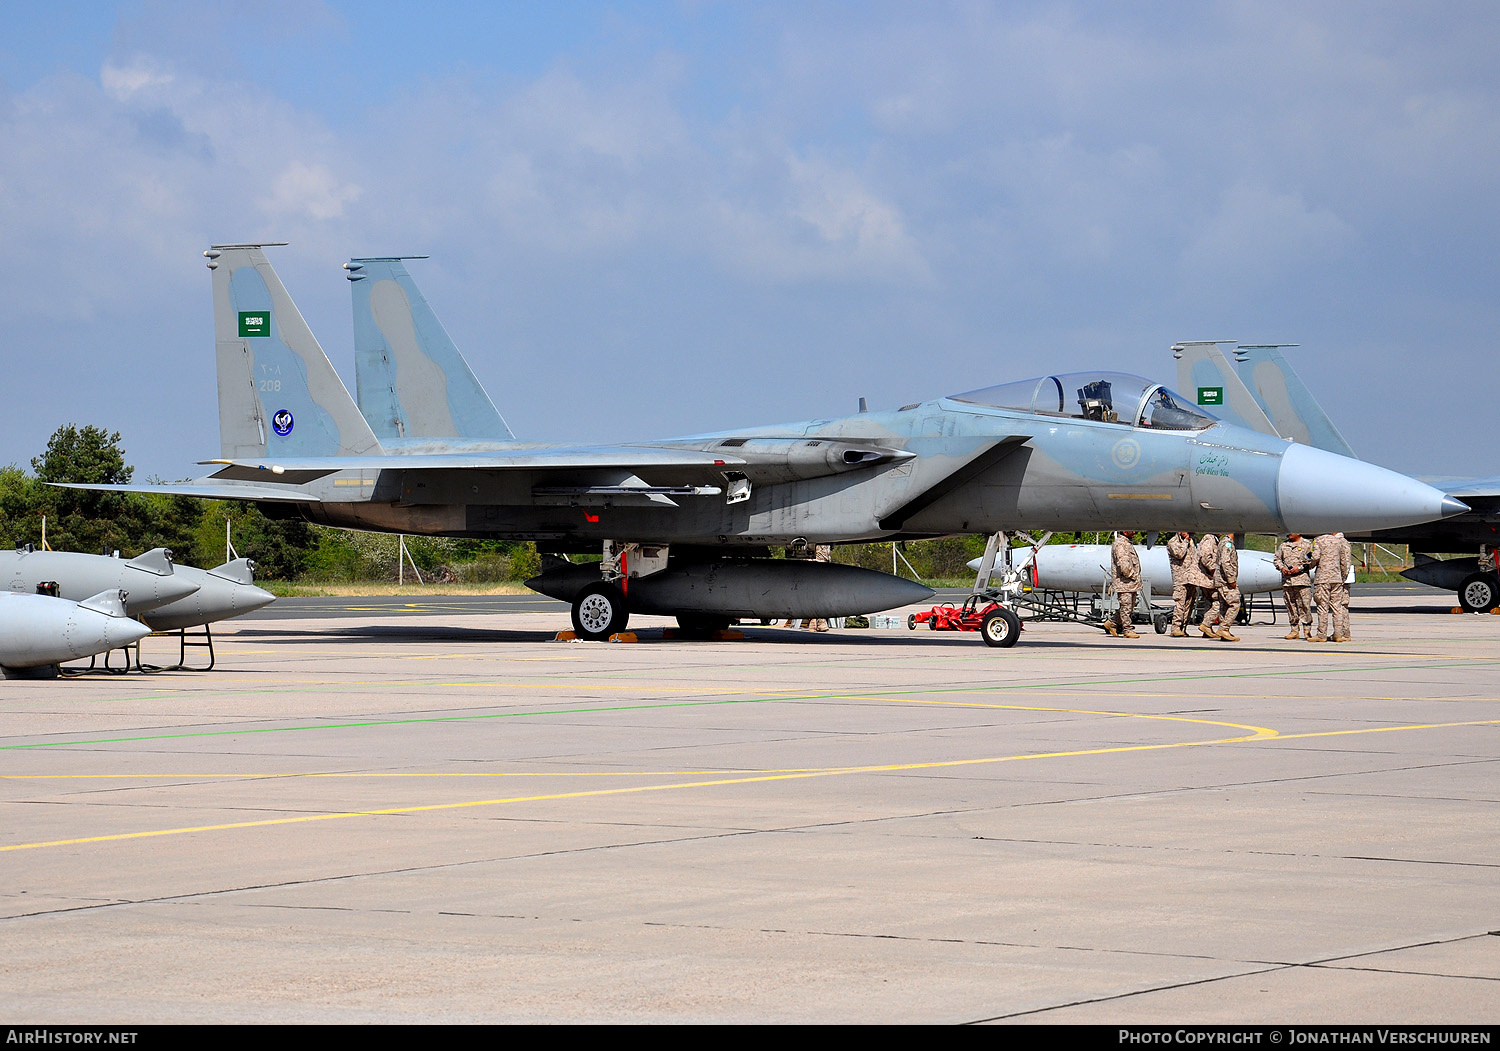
column 1477, row 594
column 599, row 611
column 1000, row 627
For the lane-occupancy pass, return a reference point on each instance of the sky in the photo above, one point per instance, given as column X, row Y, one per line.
column 653, row 219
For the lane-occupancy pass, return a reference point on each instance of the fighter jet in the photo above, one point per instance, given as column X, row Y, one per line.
column 1262, row 391
column 38, row 632
column 690, row 520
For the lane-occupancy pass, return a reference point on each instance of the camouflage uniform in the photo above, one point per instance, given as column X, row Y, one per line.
column 1125, row 565
column 1293, row 559
column 1226, row 590
column 1333, row 559
column 1184, row 562
column 1203, row 579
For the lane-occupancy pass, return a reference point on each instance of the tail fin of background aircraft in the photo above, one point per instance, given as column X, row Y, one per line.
column 278, row 393
column 1205, row 375
column 412, row 380
column 1283, row 397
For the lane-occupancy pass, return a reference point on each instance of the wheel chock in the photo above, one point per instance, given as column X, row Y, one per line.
column 728, row 635
column 566, row 636
column 1456, row 609
column 624, row 636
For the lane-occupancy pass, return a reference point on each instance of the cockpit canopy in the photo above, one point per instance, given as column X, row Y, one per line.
column 1110, row 397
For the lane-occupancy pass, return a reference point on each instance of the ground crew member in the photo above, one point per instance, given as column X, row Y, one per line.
column 1293, row 559
column 1208, row 566
column 1333, row 560
column 1184, row 562
column 1226, row 590
column 1125, row 568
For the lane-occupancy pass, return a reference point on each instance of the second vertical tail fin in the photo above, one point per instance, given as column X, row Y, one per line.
column 412, row 380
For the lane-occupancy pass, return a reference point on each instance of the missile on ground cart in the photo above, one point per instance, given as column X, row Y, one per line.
column 38, row 632
column 148, row 581
column 1085, row 568
column 223, row 592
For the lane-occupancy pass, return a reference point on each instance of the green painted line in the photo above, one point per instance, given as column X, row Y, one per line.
column 397, row 722
column 851, row 696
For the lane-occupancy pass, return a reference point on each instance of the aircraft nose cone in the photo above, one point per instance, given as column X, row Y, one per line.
column 1453, row 507
column 1321, row 492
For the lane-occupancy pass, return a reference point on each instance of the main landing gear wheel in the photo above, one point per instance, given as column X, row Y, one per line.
column 599, row 611
column 1000, row 627
column 1477, row 593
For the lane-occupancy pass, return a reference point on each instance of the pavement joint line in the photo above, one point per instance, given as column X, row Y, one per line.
column 1082, row 683
column 1258, row 734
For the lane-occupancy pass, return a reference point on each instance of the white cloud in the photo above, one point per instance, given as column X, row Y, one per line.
column 309, row 190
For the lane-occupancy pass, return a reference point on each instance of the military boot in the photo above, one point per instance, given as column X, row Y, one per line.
column 1130, row 632
column 1227, row 635
column 1295, row 633
column 1109, row 626
column 1208, row 633
column 1177, row 633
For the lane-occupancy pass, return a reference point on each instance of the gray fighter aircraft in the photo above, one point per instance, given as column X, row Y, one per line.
column 684, row 524
column 1262, row 391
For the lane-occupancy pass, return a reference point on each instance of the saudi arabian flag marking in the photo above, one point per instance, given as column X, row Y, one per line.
column 255, row 322
column 1206, row 395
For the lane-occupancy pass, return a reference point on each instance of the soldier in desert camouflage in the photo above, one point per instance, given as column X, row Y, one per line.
column 1294, row 559
column 1184, row 561
column 1333, row 560
column 1226, row 590
column 1208, row 567
column 1125, row 580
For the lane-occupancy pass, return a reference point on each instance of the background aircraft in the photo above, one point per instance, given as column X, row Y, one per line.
column 1262, row 391
column 1081, row 451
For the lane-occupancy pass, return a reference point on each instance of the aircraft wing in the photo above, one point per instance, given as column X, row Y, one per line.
column 1467, row 488
column 201, row 488
column 560, row 458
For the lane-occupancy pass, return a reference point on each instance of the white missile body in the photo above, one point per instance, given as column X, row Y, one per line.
column 39, row 631
column 148, row 580
column 1085, row 568
column 222, row 592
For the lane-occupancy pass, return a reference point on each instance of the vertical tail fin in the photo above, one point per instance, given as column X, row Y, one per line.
column 412, row 381
column 1205, row 375
column 1281, row 393
column 278, row 392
